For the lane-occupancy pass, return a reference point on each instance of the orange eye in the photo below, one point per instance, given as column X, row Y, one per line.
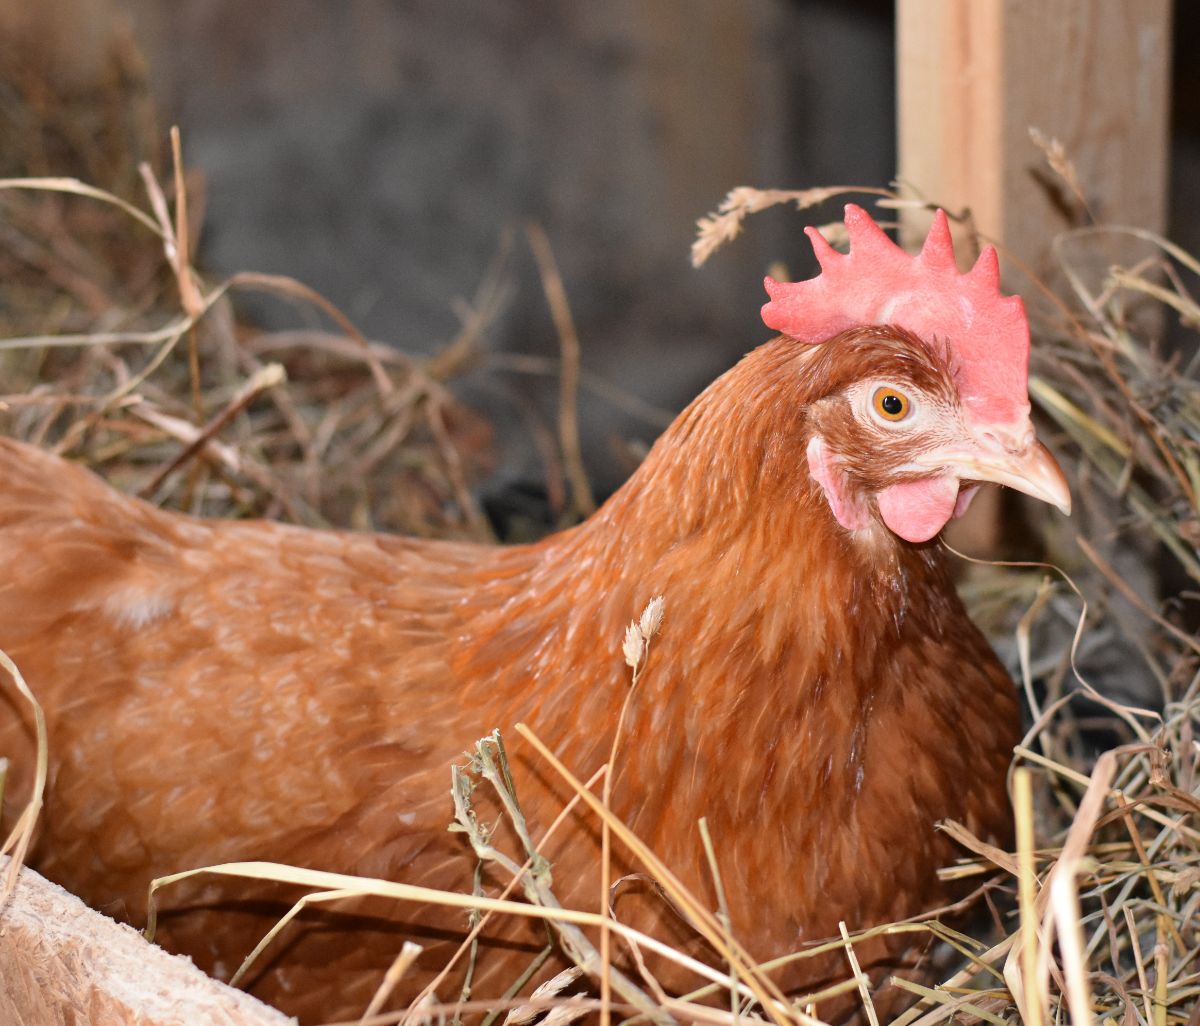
column 890, row 403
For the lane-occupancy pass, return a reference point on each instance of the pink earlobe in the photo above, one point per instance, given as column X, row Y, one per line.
column 822, row 465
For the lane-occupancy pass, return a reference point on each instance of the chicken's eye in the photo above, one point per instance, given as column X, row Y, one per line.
column 891, row 404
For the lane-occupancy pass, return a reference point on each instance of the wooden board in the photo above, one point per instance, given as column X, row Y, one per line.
column 975, row 77
column 61, row 964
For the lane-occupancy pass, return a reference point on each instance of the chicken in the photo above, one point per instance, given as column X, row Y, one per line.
column 220, row 690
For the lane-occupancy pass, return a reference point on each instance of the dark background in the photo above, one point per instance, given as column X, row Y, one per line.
column 383, row 151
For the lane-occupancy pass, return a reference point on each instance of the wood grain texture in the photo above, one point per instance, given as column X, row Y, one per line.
column 974, row 78
column 62, row 964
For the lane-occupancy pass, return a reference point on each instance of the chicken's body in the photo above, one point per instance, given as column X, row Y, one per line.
column 221, row 691
column 224, row 691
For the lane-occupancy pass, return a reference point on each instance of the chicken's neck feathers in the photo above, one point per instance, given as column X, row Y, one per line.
column 724, row 519
column 781, row 628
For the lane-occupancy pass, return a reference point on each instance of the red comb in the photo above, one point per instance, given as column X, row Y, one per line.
column 879, row 283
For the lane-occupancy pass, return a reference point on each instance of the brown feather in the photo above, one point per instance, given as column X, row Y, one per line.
column 223, row 691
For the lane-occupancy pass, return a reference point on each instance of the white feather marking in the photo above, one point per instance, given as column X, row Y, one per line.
column 135, row 607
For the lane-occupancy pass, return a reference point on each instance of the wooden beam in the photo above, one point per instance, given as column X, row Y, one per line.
column 974, row 76
column 63, row 964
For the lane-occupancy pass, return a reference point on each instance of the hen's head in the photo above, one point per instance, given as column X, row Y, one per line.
column 925, row 373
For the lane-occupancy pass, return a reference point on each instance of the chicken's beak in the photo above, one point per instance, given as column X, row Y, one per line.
column 1030, row 469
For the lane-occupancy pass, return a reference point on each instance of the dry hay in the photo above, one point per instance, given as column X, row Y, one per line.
column 118, row 353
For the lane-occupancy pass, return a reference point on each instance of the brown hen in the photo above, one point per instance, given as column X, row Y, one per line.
column 220, row 691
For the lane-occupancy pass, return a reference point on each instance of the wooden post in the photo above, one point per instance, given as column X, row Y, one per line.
column 974, row 76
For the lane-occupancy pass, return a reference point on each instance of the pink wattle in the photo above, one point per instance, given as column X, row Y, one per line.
column 917, row 510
